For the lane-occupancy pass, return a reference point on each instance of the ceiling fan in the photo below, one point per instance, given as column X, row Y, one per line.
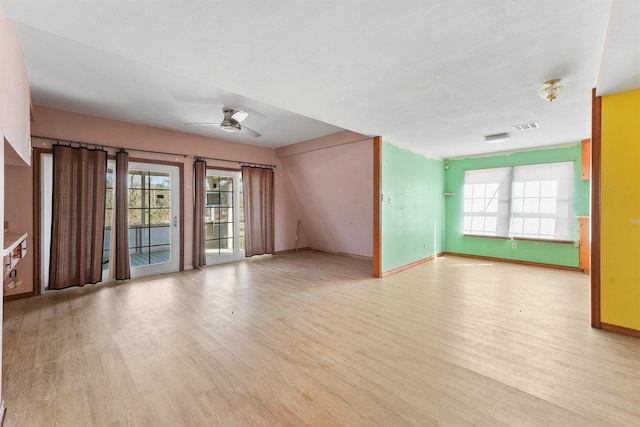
column 231, row 122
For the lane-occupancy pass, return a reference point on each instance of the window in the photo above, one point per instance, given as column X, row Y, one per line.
column 543, row 201
column 486, row 202
column 531, row 201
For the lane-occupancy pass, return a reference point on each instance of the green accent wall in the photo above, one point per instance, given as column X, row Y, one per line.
column 565, row 254
column 412, row 207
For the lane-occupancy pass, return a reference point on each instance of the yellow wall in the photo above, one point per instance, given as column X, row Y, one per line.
column 620, row 210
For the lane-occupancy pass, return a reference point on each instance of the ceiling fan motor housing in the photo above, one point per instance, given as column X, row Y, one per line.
column 229, row 124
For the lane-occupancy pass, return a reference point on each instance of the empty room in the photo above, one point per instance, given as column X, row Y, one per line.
column 320, row 213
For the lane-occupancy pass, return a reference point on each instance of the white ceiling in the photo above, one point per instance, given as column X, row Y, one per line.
column 433, row 76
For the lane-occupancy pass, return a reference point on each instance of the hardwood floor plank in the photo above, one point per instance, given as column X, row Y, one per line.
column 310, row 338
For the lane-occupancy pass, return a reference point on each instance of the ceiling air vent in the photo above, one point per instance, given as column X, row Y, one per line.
column 525, row 126
column 497, row 138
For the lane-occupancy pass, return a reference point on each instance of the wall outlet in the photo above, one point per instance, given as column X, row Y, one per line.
column 514, row 245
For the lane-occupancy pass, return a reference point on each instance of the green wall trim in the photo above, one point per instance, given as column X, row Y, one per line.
column 565, row 254
column 412, row 207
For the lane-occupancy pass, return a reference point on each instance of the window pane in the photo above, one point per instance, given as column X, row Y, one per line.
column 208, row 215
column 468, row 191
column 491, row 190
column 160, row 216
column 208, row 231
column 564, row 209
column 549, row 189
column 532, row 189
column 109, row 178
column 548, row 206
column 211, row 183
column 492, row 206
column 518, row 189
column 518, row 205
column 226, row 198
column 478, row 190
column 160, row 198
column 467, row 224
column 516, row 227
column 160, row 180
column 109, row 199
column 108, row 218
column 547, row 227
column 138, row 217
column 490, row 225
column 226, row 183
column 531, row 227
column 135, row 179
column 215, row 214
column 477, row 224
column 160, row 236
column 531, row 205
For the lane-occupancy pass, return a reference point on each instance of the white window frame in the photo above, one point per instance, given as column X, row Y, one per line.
column 486, row 202
column 528, row 202
column 543, row 206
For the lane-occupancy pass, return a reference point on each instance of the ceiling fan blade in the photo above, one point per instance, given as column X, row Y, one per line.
column 239, row 115
column 251, row 132
column 202, row 124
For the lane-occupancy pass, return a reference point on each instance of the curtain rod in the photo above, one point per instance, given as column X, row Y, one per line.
column 241, row 162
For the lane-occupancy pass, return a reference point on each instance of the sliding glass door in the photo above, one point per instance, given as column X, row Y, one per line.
column 224, row 217
column 154, row 245
column 154, row 219
column 154, row 238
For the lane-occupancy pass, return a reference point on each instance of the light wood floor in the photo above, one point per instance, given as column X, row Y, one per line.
column 312, row 339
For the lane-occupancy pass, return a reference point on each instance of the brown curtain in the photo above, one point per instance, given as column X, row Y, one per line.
column 199, row 182
column 123, row 267
column 77, row 230
column 257, row 184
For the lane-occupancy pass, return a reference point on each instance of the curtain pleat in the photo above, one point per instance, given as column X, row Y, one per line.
column 257, row 184
column 199, row 182
column 122, row 263
column 78, row 212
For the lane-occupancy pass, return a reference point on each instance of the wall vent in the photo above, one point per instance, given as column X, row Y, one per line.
column 525, row 126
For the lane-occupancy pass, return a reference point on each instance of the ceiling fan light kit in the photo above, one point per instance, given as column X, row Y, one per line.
column 551, row 89
column 230, row 126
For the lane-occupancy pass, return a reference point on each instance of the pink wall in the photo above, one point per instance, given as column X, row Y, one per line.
column 17, row 180
column 14, row 114
column 16, row 94
column 331, row 183
column 65, row 125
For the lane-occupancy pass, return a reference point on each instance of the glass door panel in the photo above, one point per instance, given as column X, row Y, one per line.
column 153, row 218
column 222, row 217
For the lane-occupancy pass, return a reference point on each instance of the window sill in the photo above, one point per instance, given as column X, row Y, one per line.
column 525, row 239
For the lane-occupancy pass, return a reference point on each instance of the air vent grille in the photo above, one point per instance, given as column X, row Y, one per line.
column 525, row 126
